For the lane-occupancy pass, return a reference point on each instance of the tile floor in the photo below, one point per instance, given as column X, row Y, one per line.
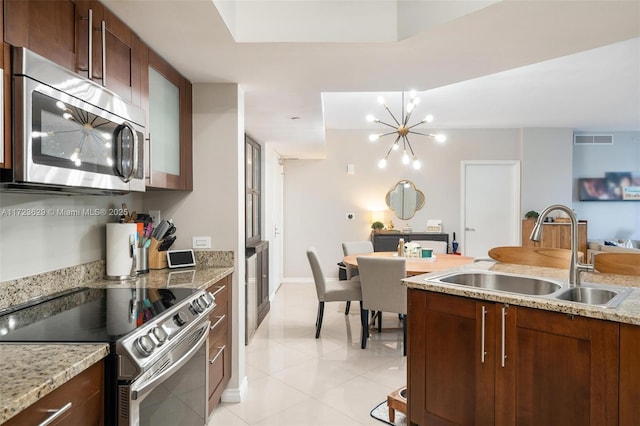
column 295, row 379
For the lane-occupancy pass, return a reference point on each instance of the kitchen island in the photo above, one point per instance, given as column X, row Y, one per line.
column 480, row 356
column 30, row 372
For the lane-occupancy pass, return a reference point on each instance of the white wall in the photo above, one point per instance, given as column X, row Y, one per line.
column 609, row 219
column 65, row 236
column 547, row 168
column 319, row 193
column 215, row 207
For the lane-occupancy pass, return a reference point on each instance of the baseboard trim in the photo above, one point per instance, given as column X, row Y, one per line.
column 235, row 394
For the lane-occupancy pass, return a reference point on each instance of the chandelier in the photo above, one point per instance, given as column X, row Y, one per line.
column 402, row 129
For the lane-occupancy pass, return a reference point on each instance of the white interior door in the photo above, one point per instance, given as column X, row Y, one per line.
column 490, row 206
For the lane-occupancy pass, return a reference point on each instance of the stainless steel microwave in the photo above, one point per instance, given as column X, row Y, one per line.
column 70, row 134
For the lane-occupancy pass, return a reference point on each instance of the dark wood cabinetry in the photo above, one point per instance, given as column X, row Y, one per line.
column 5, row 98
column 478, row 362
column 219, row 353
column 83, row 395
column 388, row 241
column 70, row 32
column 629, row 375
column 170, row 155
column 261, row 250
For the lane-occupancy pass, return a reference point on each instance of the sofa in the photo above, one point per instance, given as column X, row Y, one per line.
column 611, row 246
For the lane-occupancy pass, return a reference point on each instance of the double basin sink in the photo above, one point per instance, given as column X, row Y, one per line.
column 589, row 294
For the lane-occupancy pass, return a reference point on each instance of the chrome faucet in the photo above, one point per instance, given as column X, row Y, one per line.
column 575, row 267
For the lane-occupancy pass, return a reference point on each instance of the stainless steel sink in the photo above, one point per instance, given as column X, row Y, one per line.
column 594, row 296
column 500, row 282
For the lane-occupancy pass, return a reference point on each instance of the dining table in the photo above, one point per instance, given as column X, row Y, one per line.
column 418, row 265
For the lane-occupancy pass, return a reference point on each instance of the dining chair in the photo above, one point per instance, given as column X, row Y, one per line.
column 350, row 248
column 533, row 256
column 617, row 263
column 382, row 290
column 330, row 291
column 437, row 246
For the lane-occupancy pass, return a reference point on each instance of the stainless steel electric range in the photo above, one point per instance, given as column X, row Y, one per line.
column 156, row 371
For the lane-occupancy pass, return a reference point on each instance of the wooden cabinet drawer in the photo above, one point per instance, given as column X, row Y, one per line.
column 84, row 392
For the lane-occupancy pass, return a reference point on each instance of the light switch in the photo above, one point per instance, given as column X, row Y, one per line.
column 351, row 169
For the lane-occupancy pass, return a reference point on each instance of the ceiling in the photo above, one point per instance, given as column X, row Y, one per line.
column 475, row 64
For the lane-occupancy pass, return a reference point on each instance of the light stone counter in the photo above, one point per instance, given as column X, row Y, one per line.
column 627, row 312
column 29, row 372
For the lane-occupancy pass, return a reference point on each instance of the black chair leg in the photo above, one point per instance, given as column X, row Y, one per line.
column 319, row 318
column 404, row 335
column 346, row 310
column 364, row 317
column 379, row 321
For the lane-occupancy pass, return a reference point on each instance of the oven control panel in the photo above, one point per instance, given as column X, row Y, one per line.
column 143, row 347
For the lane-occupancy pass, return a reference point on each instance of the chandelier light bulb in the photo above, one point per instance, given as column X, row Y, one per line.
column 416, row 101
column 371, row 118
column 428, row 118
column 75, row 155
column 395, row 146
column 412, row 94
column 67, row 116
column 382, row 163
column 109, row 161
column 107, row 144
column 410, row 107
column 440, row 138
column 416, row 164
column 405, row 158
column 77, row 162
column 380, row 100
column 61, row 105
column 373, row 137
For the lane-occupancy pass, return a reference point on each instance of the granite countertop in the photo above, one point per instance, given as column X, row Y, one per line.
column 627, row 312
column 29, row 372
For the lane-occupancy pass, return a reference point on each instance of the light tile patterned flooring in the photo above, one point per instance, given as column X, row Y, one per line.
column 295, row 379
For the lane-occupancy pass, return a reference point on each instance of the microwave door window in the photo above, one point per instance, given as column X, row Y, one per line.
column 69, row 137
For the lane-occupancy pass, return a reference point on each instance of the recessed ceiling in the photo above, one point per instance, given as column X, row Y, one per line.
column 507, row 64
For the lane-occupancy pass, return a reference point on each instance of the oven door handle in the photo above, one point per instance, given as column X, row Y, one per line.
column 150, row 385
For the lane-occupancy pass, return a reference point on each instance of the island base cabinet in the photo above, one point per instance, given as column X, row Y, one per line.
column 474, row 362
column 629, row 375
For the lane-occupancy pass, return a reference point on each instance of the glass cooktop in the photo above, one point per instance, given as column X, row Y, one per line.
column 88, row 315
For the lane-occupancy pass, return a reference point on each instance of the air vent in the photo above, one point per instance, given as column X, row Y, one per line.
column 593, row 139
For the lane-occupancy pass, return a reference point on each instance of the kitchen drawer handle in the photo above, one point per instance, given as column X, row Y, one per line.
column 504, row 343
column 150, row 164
column 483, row 353
column 220, row 350
column 56, row 413
column 220, row 319
column 219, row 289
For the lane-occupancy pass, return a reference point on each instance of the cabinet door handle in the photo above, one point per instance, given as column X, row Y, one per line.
column 150, row 159
column 55, row 414
column 483, row 353
column 104, row 53
column 90, row 50
column 504, row 338
column 220, row 319
column 220, row 350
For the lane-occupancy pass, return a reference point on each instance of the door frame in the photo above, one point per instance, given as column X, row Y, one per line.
column 516, row 207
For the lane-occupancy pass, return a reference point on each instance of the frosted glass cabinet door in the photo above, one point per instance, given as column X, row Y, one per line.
column 167, row 97
column 164, row 124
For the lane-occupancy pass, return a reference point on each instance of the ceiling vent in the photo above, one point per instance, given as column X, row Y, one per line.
column 593, row 140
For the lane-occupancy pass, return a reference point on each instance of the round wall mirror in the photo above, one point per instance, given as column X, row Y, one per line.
column 404, row 199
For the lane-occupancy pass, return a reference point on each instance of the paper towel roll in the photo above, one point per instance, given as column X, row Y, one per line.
column 119, row 258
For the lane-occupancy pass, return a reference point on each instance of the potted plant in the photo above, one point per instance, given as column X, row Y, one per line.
column 377, row 226
column 531, row 214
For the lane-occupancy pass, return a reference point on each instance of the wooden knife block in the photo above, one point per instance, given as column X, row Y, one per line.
column 157, row 259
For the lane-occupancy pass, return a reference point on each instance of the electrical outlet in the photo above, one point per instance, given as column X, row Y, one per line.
column 155, row 216
column 350, row 216
column 201, row 242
